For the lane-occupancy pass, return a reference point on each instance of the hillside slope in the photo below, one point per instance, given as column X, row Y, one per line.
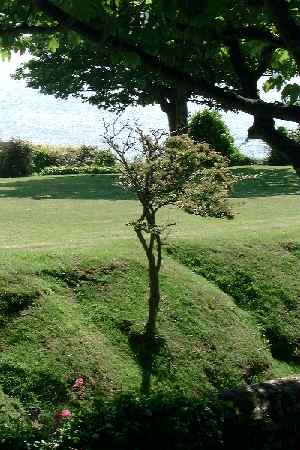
column 73, row 291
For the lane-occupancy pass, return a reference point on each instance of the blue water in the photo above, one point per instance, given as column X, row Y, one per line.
column 27, row 114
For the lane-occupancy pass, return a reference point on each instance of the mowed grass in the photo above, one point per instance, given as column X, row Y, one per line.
column 80, row 211
column 73, row 287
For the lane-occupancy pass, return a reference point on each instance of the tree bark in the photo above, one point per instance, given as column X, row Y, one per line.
column 154, row 298
column 177, row 112
column 289, row 149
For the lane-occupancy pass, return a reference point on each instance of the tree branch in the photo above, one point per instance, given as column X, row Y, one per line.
column 142, row 241
column 159, row 255
column 256, row 34
column 227, row 98
column 29, row 29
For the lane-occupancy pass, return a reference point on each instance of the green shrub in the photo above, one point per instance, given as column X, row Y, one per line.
column 105, row 158
column 208, row 126
column 41, row 158
column 89, row 155
column 75, row 170
column 16, row 159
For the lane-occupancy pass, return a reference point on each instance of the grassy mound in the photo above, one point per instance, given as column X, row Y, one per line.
column 84, row 316
column 261, row 279
column 73, row 292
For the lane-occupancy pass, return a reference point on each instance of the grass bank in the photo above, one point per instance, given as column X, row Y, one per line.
column 73, row 288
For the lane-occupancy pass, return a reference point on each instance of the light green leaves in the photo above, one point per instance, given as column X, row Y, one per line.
column 275, row 82
column 53, row 44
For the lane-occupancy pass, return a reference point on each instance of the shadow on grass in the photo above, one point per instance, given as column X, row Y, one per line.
column 265, row 182
column 153, row 357
column 85, row 187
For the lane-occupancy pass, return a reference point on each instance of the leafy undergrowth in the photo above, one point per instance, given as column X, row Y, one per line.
column 76, row 318
column 262, row 279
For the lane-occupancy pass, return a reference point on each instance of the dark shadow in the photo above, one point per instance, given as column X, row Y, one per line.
column 261, row 417
column 14, row 303
column 85, row 187
column 265, row 182
column 153, row 357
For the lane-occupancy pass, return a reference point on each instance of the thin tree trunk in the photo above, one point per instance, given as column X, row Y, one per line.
column 154, row 297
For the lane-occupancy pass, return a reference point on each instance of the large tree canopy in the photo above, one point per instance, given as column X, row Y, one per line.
column 217, row 49
column 93, row 74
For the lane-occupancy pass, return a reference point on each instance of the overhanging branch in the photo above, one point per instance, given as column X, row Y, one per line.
column 229, row 99
column 28, row 29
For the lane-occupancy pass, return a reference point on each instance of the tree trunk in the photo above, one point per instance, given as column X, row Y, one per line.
column 177, row 112
column 154, row 297
column 285, row 146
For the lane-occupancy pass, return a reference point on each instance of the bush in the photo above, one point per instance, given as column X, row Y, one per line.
column 92, row 155
column 44, row 157
column 41, row 158
column 208, row 126
column 129, row 422
column 16, row 159
column 75, row 170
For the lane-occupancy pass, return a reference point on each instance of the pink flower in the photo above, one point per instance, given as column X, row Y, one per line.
column 65, row 413
column 79, row 382
column 61, row 415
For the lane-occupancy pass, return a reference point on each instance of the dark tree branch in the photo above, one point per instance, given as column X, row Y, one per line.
column 247, row 78
column 159, row 252
column 227, row 98
column 284, row 145
column 29, row 29
column 265, row 60
column 250, row 32
column 263, row 128
column 256, row 34
column 142, row 241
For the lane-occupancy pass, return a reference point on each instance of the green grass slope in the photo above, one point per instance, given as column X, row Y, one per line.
column 73, row 290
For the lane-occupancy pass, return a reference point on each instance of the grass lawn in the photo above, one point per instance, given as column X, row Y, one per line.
column 73, row 281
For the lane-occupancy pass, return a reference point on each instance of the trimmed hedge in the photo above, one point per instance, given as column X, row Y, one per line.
column 44, row 156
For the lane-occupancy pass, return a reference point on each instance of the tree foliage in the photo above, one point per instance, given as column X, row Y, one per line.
column 208, row 126
column 216, row 49
column 96, row 76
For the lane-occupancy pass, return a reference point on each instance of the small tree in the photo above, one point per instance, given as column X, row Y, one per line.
column 174, row 172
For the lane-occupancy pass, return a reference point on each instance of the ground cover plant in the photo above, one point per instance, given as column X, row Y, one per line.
column 78, row 285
